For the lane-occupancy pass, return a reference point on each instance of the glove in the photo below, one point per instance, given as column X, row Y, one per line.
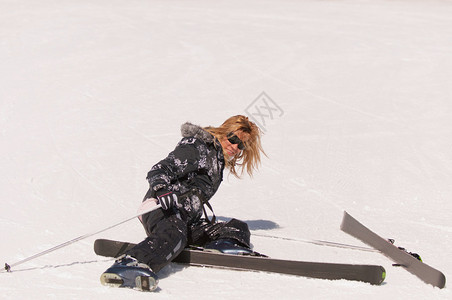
column 167, row 198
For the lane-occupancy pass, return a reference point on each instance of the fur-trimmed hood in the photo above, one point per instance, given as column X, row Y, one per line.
column 190, row 130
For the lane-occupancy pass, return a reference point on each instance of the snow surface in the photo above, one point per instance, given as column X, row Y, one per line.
column 92, row 94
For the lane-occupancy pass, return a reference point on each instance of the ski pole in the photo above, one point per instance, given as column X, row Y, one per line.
column 142, row 212
column 318, row 242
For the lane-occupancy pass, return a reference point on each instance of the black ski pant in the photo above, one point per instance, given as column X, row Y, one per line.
column 169, row 232
column 167, row 237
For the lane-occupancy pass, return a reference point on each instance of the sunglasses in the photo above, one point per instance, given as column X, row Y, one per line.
column 233, row 139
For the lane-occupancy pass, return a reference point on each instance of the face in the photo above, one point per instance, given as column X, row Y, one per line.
column 233, row 149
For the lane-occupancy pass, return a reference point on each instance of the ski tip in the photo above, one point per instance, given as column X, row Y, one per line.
column 383, row 275
column 345, row 217
column 439, row 281
column 378, row 280
column 97, row 246
column 442, row 281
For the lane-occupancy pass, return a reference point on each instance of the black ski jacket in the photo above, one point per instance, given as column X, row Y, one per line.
column 195, row 165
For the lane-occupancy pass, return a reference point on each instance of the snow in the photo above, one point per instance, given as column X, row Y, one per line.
column 93, row 93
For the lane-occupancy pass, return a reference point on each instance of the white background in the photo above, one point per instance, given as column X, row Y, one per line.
column 93, row 93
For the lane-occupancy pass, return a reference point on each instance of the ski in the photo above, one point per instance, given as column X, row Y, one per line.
column 410, row 263
column 372, row 274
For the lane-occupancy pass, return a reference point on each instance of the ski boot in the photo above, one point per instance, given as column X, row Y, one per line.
column 128, row 272
column 228, row 246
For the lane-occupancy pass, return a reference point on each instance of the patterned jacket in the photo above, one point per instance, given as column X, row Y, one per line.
column 195, row 165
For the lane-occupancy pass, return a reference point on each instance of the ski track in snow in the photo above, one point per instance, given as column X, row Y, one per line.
column 93, row 94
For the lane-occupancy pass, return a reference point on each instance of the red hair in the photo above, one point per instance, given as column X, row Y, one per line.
column 248, row 159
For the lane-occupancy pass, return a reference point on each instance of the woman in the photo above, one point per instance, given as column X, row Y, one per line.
column 183, row 183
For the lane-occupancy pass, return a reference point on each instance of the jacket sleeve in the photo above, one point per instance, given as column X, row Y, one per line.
column 183, row 160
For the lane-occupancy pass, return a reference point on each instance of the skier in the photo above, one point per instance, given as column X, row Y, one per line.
column 182, row 184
